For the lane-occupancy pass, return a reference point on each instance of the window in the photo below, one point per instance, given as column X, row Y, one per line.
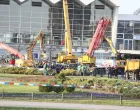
column 5, row 2
column 137, row 25
column 120, row 30
column 128, row 36
column 119, row 44
column 38, row 4
column 120, row 36
column 120, row 23
column 99, row 7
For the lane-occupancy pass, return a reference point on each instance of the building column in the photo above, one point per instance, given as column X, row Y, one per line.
column 114, row 25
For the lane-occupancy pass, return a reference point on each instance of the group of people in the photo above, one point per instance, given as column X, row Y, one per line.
column 82, row 69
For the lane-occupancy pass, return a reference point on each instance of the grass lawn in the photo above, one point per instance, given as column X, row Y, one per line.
column 4, row 75
column 19, row 89
column 21, row 108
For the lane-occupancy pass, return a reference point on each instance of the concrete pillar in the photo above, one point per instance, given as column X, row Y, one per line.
column 114, row 25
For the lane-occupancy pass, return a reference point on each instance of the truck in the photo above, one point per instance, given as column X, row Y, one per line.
column 132, row 69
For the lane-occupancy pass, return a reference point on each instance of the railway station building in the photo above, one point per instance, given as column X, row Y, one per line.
column 22, row 20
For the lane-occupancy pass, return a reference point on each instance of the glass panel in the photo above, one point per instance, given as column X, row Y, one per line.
column 129, row 23
column 136, row 31
column 137, row 25
column 120, row 23
column 125, row 44
column 130, row 44
column 120, row 36
column 128, row 30
column 128, row 36
column 120, row 30
column 119, row 44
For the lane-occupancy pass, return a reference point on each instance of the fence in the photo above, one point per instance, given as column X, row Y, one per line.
column 63, row 96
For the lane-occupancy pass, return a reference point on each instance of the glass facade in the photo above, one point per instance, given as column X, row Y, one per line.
column 20, row 23
column 127, row 30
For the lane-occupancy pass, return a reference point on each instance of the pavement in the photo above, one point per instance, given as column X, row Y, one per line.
column 63, row 105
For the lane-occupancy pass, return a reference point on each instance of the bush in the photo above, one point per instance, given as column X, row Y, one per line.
column 70, row 88
column 68, row 72
column 45, row 88
column 58, row 88
column 20, row 70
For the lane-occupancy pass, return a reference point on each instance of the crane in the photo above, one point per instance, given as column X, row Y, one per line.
column 67, row 57
column 30, row 61
column 120, row 62
column 11, row 50
column 95, row 43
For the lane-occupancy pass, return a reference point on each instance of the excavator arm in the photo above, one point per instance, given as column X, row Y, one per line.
column 11, row 50
column 32, row 45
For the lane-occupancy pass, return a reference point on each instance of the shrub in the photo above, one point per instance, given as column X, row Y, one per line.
column 68, row 72
column 58, row 88
column 70, row 88
column 45, row 88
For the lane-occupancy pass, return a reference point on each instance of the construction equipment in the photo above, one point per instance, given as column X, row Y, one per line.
column 11, row 50
column 132, row 69
column 119, row 61
column 29, row 62
column 67, row 56
column 95, row 43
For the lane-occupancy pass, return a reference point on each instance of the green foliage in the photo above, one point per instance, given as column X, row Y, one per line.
column 61, row 77
column 58, row 88
column 69, row 72
column 20, row 70
column 70, row 88
column 45, row 88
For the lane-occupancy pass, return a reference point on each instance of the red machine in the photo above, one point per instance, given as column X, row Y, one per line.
column 96, row 41
column 11, row 50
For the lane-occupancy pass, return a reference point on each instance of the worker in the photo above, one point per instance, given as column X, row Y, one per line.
column 84, row 70
column 45, row 67
column 109, row 71
column 79, row 69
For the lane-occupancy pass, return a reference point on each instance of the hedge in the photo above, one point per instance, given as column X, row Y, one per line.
column 56, row 88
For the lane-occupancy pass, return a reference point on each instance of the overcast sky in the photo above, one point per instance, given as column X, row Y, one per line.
column 128, row 6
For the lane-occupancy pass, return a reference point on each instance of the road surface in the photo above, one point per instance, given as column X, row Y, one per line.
column 63, row 105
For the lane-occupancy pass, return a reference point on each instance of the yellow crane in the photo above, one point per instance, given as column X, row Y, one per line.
column 67, row 56
column 29, row 62
column 120, row 63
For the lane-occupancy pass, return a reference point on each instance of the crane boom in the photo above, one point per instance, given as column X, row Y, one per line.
column 115, row 52
column 68, row 42
column 11, row 50
column 32, row 45
column 98, row 36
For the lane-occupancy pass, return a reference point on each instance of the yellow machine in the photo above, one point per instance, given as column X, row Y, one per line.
column 132, row 69
column 88, row 58
column 120, row 63
column 30, row 61
column 67, row 56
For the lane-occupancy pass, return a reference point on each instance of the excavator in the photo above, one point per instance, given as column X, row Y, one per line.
column 67, row 56
column 88, row 58
column 29, row 62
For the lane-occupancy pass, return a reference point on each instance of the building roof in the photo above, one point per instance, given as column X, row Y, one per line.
column 112, row 3
column 129, row 17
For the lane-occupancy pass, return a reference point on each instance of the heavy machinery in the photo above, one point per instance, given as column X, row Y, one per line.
column 118, row 59
column 29, row 62
column 11, row 50
column 95, row 43
column 132, row 69
column 67, row 56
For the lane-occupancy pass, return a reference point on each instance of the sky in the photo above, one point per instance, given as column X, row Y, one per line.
column 128, row 6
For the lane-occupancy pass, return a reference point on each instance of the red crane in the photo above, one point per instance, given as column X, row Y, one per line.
column 98, row 36
column 11, row 50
